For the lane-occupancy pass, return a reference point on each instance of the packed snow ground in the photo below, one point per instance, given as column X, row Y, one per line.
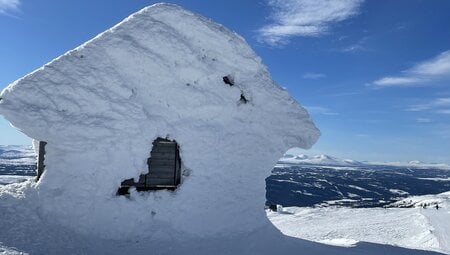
column 414, row 227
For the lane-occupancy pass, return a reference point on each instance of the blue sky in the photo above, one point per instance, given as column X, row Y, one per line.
column 374, row 74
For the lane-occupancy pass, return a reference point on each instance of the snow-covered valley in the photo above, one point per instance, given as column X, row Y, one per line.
column 354, row 186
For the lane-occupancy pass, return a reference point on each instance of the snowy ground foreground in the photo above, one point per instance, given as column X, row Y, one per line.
column 417, row 228
column 23, row 230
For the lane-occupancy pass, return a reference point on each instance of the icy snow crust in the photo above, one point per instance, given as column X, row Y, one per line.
column 157, row 74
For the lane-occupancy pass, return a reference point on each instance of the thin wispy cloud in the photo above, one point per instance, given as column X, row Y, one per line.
column 307, row 18
column 356, row 47
column 313, row 76
column 438, row 105
column 314, row 110
column 7, row 6
column 419, row 75
column 423, row 120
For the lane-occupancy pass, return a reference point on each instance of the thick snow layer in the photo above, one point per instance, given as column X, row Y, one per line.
column 159, row 73
column 415, row 227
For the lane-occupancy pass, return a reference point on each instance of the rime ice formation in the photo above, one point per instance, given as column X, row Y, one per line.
column 159, row 73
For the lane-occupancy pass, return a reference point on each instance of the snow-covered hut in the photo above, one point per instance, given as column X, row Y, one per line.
column 164, row 74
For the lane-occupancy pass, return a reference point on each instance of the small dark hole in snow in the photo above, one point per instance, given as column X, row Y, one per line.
column 243, row 99
column 122, row 191
column 273, row 207
column 228, row 80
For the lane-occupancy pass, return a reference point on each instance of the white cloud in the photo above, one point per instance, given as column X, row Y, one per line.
column 354, row 48
column 313, row 76
column 438, row 105
column 305, row 18
column 420, row 74
column 438, row 66
column 320, row 110
column 396, row 81
column 8, row 5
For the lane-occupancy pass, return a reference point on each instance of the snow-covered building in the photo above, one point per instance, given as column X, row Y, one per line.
column 162, row 77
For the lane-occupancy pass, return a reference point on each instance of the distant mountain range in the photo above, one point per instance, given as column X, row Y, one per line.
column 327, row 160
column 17, row 154
column 318, row 160
column 16, row 160
column 25, row 155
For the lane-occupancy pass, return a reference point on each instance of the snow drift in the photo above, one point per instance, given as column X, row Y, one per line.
column 159, row 73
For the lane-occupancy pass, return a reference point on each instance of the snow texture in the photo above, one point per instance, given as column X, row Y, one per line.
column 410, row 226
column 159, row 73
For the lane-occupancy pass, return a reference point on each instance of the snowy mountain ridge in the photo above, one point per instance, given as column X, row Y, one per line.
column 327, row 160
column 17, row 155
column 413, row 163
column 321, row 159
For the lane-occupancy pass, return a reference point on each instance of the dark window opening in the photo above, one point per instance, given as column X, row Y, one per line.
column 164, row 169
column 41, row 159
column 228, row 80
column 243, row 99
